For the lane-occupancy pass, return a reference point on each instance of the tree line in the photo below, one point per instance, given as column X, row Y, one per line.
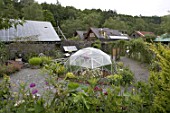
column 70, row 19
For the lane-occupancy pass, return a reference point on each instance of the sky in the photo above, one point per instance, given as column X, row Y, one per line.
column 128, row 7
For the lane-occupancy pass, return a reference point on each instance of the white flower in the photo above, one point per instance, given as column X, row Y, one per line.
column 19, row 102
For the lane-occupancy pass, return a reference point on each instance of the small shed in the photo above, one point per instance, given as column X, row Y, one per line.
column 165, row 38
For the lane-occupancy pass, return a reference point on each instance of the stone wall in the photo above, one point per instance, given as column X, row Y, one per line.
column 29, row 50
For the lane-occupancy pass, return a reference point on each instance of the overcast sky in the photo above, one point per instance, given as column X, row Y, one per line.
column 129, row 7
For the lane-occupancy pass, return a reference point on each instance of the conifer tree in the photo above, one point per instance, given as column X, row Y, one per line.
column 160, row 80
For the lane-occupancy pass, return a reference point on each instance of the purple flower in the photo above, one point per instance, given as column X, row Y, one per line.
column 46, row 83
column 34, row 91
column 32, row 85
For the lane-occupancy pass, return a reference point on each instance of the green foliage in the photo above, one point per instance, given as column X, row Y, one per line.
column 3, row 53
column 88, row 20
column 73, row 85
column 48, row 16
column 93, row 81
column 33, row 11
column 121, row 44
column 160, row 79
column 70, row 75
column 115, row 24
column 70, row 26
column 46, row 60
column 97, row 44
column 35, row 61
column 54, row 69
column 139, row 50
column 150, row 38
column 115, row 79
column 8, row 12
column 166, row 23
column 120, row 65
column 127, row 76
column 4, row 92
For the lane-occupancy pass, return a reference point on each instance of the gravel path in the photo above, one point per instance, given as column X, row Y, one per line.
column 28, row 76
column 140, row 70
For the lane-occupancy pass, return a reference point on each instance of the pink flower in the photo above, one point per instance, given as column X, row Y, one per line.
column 34, row 91
column 97, row 88
column 32, row 85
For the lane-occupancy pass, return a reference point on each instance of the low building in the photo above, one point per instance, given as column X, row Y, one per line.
column 165, row 38
column 141, row 34
column 105, row 34
column 34, row 31
column 80, row 34
column 30, row 39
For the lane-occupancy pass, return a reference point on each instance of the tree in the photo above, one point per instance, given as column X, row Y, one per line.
column 140, row 24
column 48, row 16
column 166, row 23
column 92, row 20
column 26, row 2
column 33, row 12
column 115, row 24
column 71, row 25
column 8, row 14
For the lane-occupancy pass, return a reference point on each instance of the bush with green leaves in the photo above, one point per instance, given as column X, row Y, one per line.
column 97, row 44
column 70, row 75
column 127, row 76
column 35, row 61
column 115, row 79
column 46, row 60
column 55, row 69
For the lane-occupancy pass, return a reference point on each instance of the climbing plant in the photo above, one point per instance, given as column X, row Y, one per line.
column 139, row 50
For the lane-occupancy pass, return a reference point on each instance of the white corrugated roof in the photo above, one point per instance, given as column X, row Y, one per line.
column 70, row 48
column 37, row 30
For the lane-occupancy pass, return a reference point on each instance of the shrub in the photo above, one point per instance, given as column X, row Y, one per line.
column 9, row 69
column 35, row 61
column 61, row 70
column 54, row 68
column 45, row 60
column 115, row 79
column 127, row 75
column 120, row 64
column 70, row 75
